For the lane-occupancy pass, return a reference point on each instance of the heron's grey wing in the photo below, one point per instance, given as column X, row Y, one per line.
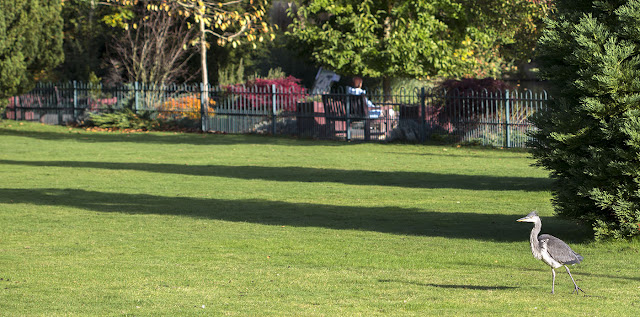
column 560, row 251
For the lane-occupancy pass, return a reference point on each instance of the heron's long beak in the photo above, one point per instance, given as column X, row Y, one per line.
column 523, row 219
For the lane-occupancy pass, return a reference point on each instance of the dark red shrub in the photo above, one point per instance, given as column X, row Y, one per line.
column 258, row 94
column 470, row 98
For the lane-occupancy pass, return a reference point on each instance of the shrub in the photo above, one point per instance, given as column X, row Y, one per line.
column 123, row 119
column 187, row 106
column 459, row 105
column 257, row 94
column 3, row 107
column 470, row 98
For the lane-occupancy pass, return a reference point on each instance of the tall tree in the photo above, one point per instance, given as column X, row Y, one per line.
column 30, row 43
column 413, row 38
column 152, row 52
column 228, row 22
column 512, row 29
column 383, row 38
column 85, row 38
column 589, row 138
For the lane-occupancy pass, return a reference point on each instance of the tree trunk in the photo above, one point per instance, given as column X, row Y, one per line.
column 386, row 81
column 203, row 53
column 203, row 63
column 204, row 98
column 386, row 88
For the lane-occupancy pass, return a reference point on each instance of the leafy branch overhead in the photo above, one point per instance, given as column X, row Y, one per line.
column 229, row 22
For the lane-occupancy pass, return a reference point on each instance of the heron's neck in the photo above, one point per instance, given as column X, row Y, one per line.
column 535, row 244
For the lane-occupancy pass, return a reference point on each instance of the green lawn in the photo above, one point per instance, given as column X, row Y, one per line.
column 188, row 224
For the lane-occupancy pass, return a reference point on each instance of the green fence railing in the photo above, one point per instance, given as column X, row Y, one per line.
column 496, row 118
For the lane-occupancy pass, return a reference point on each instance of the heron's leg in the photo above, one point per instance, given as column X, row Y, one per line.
column 553, row 281
column 574, row 282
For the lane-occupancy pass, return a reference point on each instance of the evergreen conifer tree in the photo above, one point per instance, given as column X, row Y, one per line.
column 30, row 42
column 589, row 138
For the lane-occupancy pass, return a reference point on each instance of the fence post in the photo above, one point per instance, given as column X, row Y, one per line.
column 273, row 109
column 59, row 106
column 348, row 118
column 75, row 100
column 17, row 107
column 136, row 89
column 423, row 115
column 507, row 116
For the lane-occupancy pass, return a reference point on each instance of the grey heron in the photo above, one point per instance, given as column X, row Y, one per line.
column 551, row 250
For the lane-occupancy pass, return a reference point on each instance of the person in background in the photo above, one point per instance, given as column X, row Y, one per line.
column 374, row 112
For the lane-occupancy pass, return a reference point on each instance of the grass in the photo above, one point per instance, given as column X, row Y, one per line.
column 165, row 224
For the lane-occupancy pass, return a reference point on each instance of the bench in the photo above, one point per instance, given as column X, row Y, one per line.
column 338, row 120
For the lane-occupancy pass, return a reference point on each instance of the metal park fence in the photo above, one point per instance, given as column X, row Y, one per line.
column 498, row 118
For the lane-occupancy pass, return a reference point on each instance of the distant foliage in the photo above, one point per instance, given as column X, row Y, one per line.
column 274, row 73
column 231, row 74
column 474, row 84
column 257, row 94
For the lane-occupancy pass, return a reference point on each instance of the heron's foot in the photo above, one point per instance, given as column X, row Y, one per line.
column 580, row 289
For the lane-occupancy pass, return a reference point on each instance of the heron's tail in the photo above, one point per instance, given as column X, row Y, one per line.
column 578, row 259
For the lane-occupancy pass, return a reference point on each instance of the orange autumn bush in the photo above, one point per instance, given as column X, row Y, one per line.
column 184, row 107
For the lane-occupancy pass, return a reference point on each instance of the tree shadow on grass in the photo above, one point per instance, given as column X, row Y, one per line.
column 469, row 287
column 478, row 226
column 313, row 175
column 578, row 273
column 470, row 152
column 453, row 286
column 167, row 138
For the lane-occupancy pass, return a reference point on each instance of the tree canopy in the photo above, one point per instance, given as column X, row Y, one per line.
column 413, row 38
column 379, row 38
column 374, row 38
column 152, row 52
column 30, row 43
column 227, row 21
